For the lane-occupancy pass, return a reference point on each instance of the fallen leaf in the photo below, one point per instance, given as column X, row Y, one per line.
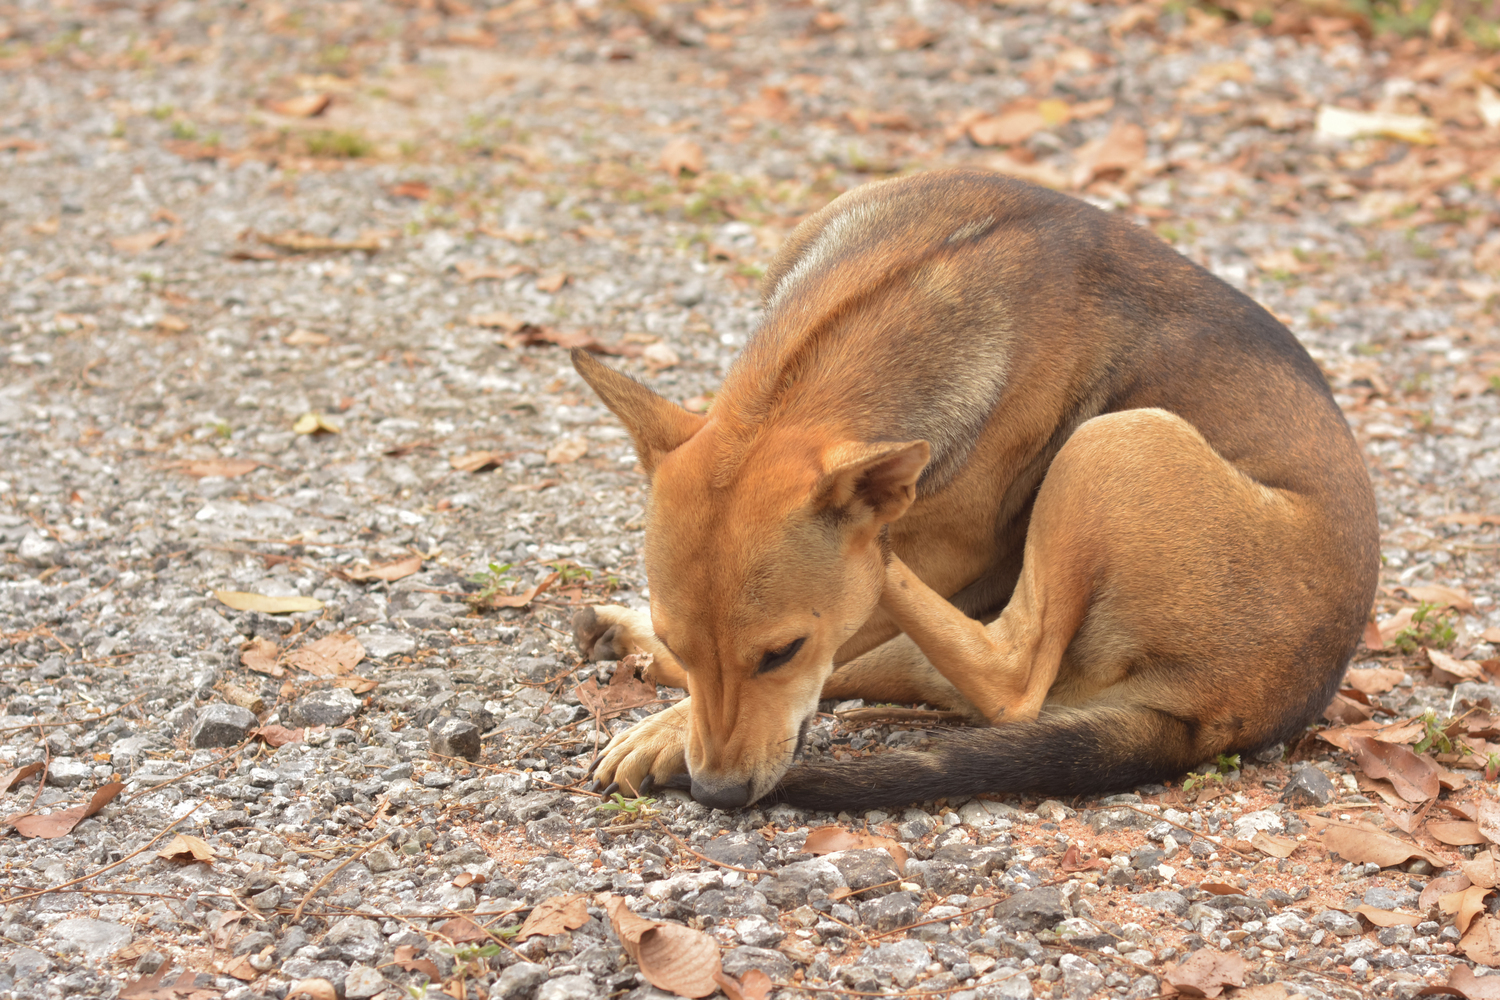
column 1387, row 918
column 622, row 693
column 1120, row 151
column 1439, row 887
column 1374, row 681
column 524, row 598
column 471, row 270
column 314, row 423
column 1072, row 862
column 1488, row 818
column 496, row 321
column 463, row 879
column 406, row 958
column 567, row 451
column 671, row 957
column 20, row 774
column 185, row 847
column 142, row 242
column 242, row 601
column 277, row 736
column 682, row 154
column 330, row 656
column 753, row 985
column 182, row 988
column 313, row 989
column 1451, row 670
column 358, row 685
column 1464, row 906
column 306, row 338
column 45, row 227
column 461, row 929
column 1009, row 128
column 1346, row 711
column 1491, row 634
column 60, row 823
column 302, row 106
column 1276, row 847
column 415, row 190
column 831, row 839
column 555, row 915
column 391, row 571
column 660, row 356
column 1361, row 844
column 229, row 468
column 1414, row 778
column 1221, row 888
column 551, row 282
column 172, row 324
column 300, row 242
column 239, row 966
column 531, row 335
column 1395, row 624
column 261, row 655
column 1343, row 123
column 1440, row 596
column 1463, row 983
column 1206, row 972
column 478, row 461
column 1455, row 833
column 1483, row 870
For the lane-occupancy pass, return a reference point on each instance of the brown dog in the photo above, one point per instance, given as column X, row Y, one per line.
column 994, row 450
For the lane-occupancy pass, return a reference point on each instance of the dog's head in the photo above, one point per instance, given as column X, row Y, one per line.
column 761, row 567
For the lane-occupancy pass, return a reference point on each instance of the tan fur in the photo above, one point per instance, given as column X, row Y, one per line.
column 995, row 451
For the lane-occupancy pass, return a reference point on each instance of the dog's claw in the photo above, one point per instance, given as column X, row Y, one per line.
column 647, row 783
column 610, row 789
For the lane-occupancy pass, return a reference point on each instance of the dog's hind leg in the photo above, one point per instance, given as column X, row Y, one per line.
column 611, row 632
column 897, row 671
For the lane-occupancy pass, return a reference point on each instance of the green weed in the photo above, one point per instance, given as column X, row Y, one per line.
column 1435, row 631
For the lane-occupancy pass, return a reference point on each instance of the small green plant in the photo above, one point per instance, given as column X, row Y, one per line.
column 492, row 581
column 569, row 572
column 345, row 144
column 1227, row 762
column 1435, row 631
column 161, row 112
column 628, row 810
column 222, row 429
column 1434, row 736
column 469, row 957
column 1492, row 767
column 184, row 130
column 1195, row 780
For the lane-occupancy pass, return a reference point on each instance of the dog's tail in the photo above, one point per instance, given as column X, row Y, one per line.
column 1064, row 752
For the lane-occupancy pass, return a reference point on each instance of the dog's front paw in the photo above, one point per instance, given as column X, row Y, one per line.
column 654, row 748
column 603, row 633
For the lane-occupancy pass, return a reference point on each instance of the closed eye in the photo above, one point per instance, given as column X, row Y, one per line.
column 774, row 658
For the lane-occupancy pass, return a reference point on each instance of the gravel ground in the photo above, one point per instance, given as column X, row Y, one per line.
column 494, row 178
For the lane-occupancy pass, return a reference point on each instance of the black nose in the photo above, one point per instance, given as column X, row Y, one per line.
column 721, row 796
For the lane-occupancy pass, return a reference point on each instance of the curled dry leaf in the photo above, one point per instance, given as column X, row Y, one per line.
column 1220, row 888
column 1463, row 983
column 1483, row 870
column 14, row 777
column 622, row 693
column 831, row 839
column 187, row 848
column 478, row 461
column 659, row 356
column 141, row 242
column 552, row 282
column 671, row 957
column 229, row 468
column 261, row 655
column 567, row 451
column 555, row 915
column 1415, row 778
column 1374, row 681
column 330, row 656
column 1345, row 711
column 241, row 600
column 359, row 685
column 277, row 736
column 314, row 423
column 753, row 985
column 391, row 571
column 1387, row 918
column 1206, row 972
column 1464, row 906
column 682, row 154
column 1072, row 862
column 302, row 106
column 60, row 823
column 1276, row 847
column 1362, row 844
column 306, row 338
column 525, row 597
column 407, row 958
column 1122, row 150
column 312, row 989
column 1456, row 598
column 1451, row 670
column 1440, row 887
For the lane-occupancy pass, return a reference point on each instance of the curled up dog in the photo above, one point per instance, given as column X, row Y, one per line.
column 996, row 451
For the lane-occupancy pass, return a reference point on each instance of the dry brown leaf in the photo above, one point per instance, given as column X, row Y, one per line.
column 659, row 357
column 1220, row 888
column 496, row 321
column 60, row 823
column 551, row 282
column 622, row 693
column 187, row 848
column 1276, row 847
column 141, row 242
column 359, row 685
column 1465, row 905
column 1463, row 983
column 567, row 451
column 1387, row 918
column 1482, row 942
column 463, row 879
column 20, row 774
column 753, row 985
column 1376, row 680
column 239, row 966
column 1393, row 625
column 300, row 242
column 229, row 468
column 1345, row 711
column 1361, row 844
column 242, row 601
column 531, row 335
column 1009, row 128
column 415, row 190
column 671, row 957
column 1488, row 818
column 1406, row 731
column 1071, row 861
column 312, row 989
column 1206, row 972
column 182, row 988
column 1440, row 887
column 391, row 571
column 406, row 958
column 1456, row 598
column 831, row 839
column 302, row 106
column 278, row 736
column 525, row 597
column 682, row 154
column 1491, row 634
column 1415, row 778
column 1455, row 833
column 1483, row 870
column 462, row 929
column 1119, row 152
column 330, row 656
column 314, row 423
column 555, row 915
column 261, row 655
column 306, row 338
column 473, row 270
column 1451, row 670
column 478, row 461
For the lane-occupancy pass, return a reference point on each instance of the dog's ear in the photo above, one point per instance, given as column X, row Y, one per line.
column 658, row 425
column 880, row 478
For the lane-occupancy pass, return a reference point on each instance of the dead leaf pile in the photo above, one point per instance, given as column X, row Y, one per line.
column 671, row 957
column 623, row 692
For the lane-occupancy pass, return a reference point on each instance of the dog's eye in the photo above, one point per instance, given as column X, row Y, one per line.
column 774, row 658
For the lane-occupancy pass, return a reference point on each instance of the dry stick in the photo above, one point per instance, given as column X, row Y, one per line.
column 114, row 864
column 934, row 920
column 510, row 770
column 329, row 877
column 1184, row 829
column 704, row 857
column 188, row 774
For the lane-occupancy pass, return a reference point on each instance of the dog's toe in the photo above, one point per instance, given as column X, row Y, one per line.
column 596, row 637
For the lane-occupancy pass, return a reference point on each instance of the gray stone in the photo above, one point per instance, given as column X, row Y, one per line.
column 328, row 707
column 1164, row 901
column 519, row 981
column 1080, row 977
column 738, row 961
column 1309, row 787
column 903, row 960
column 866, row 870
column 790, row 887
column 724, row 849
column 890, row 912
column 381, row 860
column 455, row 737
column 570, row 988
column 222, row 725
column 39, row 549
column 1016, row 987
column 69, row 772
column 1338, row 922
column 1391, row 897
column 358, row 939
column 363, row 982
column 1108, row 820
column 98, row 939
column 382, row 643
column 29, row 962
column 988, row 815
column 758, row 932
column 1032, row 910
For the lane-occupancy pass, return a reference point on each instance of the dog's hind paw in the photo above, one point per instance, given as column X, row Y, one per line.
column 598, row 637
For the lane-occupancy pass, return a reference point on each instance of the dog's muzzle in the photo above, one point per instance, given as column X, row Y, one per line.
column 721, row 796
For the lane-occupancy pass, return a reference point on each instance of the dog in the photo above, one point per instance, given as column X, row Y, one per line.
column 994, row 450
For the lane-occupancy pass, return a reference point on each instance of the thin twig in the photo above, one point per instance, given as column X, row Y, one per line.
column 296, row 917
column 187, row 774
column 704, row 857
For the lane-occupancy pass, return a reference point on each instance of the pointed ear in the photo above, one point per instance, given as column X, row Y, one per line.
column 658, row 425
column 876, row 480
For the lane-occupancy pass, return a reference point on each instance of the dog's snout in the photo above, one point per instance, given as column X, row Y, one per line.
column 721, row 796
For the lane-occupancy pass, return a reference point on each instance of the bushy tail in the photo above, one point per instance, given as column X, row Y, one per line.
column 1066, row 752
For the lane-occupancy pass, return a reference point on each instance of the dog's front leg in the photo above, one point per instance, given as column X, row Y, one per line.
column 651, row 752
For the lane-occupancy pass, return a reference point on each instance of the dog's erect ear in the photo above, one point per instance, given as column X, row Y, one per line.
column 658, row 425
column 879, row 477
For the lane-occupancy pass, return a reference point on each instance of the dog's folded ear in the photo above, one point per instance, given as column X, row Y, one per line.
column 657, row 425
column 876, row 480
